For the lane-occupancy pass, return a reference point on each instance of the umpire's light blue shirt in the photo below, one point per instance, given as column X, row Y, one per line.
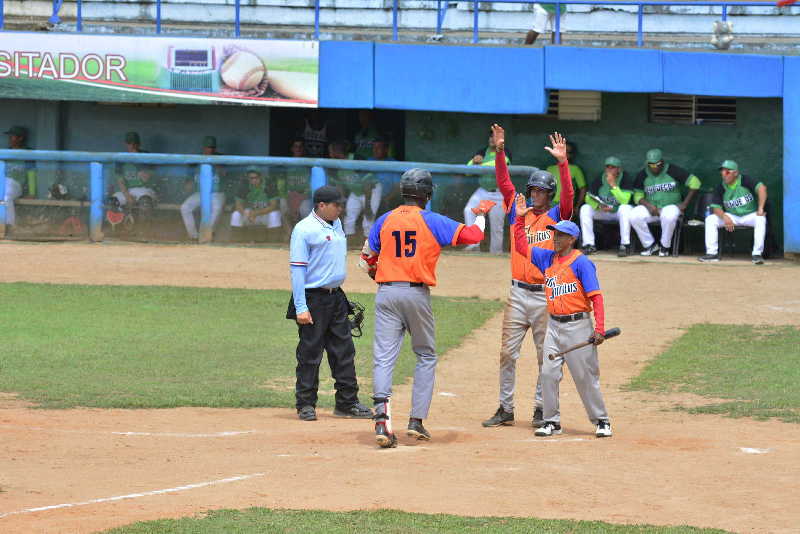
column 317, row 255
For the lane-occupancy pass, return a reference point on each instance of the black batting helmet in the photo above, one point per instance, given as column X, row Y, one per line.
column 416, row 183
column 541, row 179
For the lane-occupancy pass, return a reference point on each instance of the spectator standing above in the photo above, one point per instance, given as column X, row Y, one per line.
column 315, row 135
column 487, row 190
column 738, row 201
column 544, row 16
column 192, row 186
column 609, row 200
column 365, row 136
column 578, row 179
column 658, row 198
column 253, row 205
column 20, row 175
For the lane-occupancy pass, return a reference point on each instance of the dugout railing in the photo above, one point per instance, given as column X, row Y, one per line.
column 75, row 191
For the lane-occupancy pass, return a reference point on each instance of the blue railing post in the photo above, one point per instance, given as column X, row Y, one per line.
column 394, row 20
column 318, row 178
column 158, row 16
column 316, row 20
column 475, row 21
column 438, row 17
column 206, row 186
column 79, row 16
column 96, row 192
column 724, row 12
column 639, row 38
column 56, row 8
column 2, row 195
column 236, row 24
column 2, row 14
column 558, row 23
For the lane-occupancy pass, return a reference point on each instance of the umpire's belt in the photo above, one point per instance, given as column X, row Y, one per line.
column 529, row 287
column 325, row 290
column 569, row 318
column 402, row 284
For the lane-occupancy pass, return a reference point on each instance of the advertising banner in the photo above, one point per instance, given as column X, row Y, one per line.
column 116, row 68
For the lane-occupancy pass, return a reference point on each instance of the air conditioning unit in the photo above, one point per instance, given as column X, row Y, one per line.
column 193, row 69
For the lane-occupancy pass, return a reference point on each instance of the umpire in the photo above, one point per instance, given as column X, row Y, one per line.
column 318, row 254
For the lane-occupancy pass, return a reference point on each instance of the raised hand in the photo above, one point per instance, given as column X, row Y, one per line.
column 522, row 206
column 559, row 148
column 499, row 136
column 484, row 207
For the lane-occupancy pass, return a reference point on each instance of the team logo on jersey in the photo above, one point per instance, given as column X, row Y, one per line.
column 538, row 236
column 739, row 202
column 660, row 188
column 559, row 290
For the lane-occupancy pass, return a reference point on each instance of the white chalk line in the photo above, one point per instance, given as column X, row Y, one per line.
column 751, row 450
column 134, row 495
column 223, row 434
column 545, row 440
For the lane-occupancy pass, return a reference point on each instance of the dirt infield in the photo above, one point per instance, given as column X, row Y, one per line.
column 86, row 470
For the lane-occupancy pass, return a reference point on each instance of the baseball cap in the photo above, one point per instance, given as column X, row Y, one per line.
column 252, row 168
column 729, row 164
column 132, row 137
column 328, row 193
column 613, row 161
column 654, row 155
column 209, row 141
column 17, row 130
column 568, row 227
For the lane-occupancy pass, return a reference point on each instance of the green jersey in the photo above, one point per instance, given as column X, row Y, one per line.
column 615, row 198
column 578, row 181
column 24, row 173
column 489, row 182
column 352, row 181
column 297, row 180
column 739, row 198
column 665, row 188
column 254, row 196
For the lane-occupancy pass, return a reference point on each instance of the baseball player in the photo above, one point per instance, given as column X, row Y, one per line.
column 734, row 203
column 363, row 193
column 192, row 202
column 253, row 204
column 609, row 200
column 572, row 290
column 401, row 253
column 134, row 181
column 657, row 196
column 526, row 307
column 20, row 175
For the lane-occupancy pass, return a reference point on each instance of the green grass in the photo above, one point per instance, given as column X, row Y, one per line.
column 756, row 369
column 161, row 347
column 257, row 520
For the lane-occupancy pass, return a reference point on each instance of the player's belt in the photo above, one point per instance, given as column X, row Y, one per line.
column 325, row 290
column 569, row 318
column 402, row 284
column 529, row 287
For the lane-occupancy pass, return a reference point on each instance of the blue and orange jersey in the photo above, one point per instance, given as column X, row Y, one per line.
column 569, row 283
column 408, row 241
column 538, row 235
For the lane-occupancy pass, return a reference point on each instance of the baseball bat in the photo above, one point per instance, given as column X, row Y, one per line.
column 612, row 332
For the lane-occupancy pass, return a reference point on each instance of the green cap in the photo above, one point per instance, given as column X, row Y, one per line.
column 132, row 137
column 252, row 168
column 17, row 130
column 209, row 141
column 729, row 164
column 613, row 161
column 654, row 155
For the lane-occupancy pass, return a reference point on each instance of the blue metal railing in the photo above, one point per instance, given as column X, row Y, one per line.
column 442, row 10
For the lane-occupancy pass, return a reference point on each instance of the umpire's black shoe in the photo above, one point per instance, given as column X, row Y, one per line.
column 500, row 417
column 355, row 411
column 307, row 413
column 538, row 419
column 624, row 251
column 416, row 430
column 708, row 258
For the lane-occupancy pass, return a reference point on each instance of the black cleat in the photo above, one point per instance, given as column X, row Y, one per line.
column 709, row 258
column 355, row 411
column 603, row 429
column 624, row 251
column 538, row 420
column 500, row 417
column 757, row 259
column 652, row 250
column 307, row 413
column 548, row 429
column 416, row 430
column 383, row 438
column 589, row 249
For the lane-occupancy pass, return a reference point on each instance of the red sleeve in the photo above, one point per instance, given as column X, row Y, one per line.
column 503, row 178
column 567, row 193
column 599, row 312
column 520, row 239
column 469, row 235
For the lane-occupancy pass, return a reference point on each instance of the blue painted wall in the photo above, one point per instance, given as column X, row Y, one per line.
column 603, row 69
column 723, row 74
column 346, row 74
column 791, row 151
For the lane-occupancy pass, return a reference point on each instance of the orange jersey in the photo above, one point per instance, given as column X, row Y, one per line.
column 538, row 235
column 568, row 285
column 408, row 241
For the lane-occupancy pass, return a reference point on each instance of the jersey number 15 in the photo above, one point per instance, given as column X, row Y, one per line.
column 405, row 243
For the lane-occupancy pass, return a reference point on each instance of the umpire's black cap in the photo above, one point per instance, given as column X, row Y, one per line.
column 328, row 193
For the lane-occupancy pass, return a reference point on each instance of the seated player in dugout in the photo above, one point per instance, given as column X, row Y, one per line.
column 658, row 196
column 20, row 175
column 191, row 186
column 135, row 181
column 254, row 206
column 572, row 291
column 526, row 308
column 609, row 199
column 401, row 255
column 735, row 204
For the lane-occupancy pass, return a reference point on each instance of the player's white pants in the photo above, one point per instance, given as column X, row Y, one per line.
column 668, row 218
column 270, row 220
column 758, row 222
column 496, row 217
column 13, row 192
column 589, row 215
column 542, row 19
column 136, row 193
column 355, row 206
column 193, row 203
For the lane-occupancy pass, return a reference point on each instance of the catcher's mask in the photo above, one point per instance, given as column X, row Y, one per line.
column 355, row 315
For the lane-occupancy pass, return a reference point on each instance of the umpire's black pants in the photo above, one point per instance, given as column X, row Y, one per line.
column 330, row 331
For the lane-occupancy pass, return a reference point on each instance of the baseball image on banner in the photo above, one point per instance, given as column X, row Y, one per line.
column 159, row 69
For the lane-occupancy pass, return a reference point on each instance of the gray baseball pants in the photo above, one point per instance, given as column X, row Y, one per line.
column 583, row 366
column 399, row 308
column 524, row 310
